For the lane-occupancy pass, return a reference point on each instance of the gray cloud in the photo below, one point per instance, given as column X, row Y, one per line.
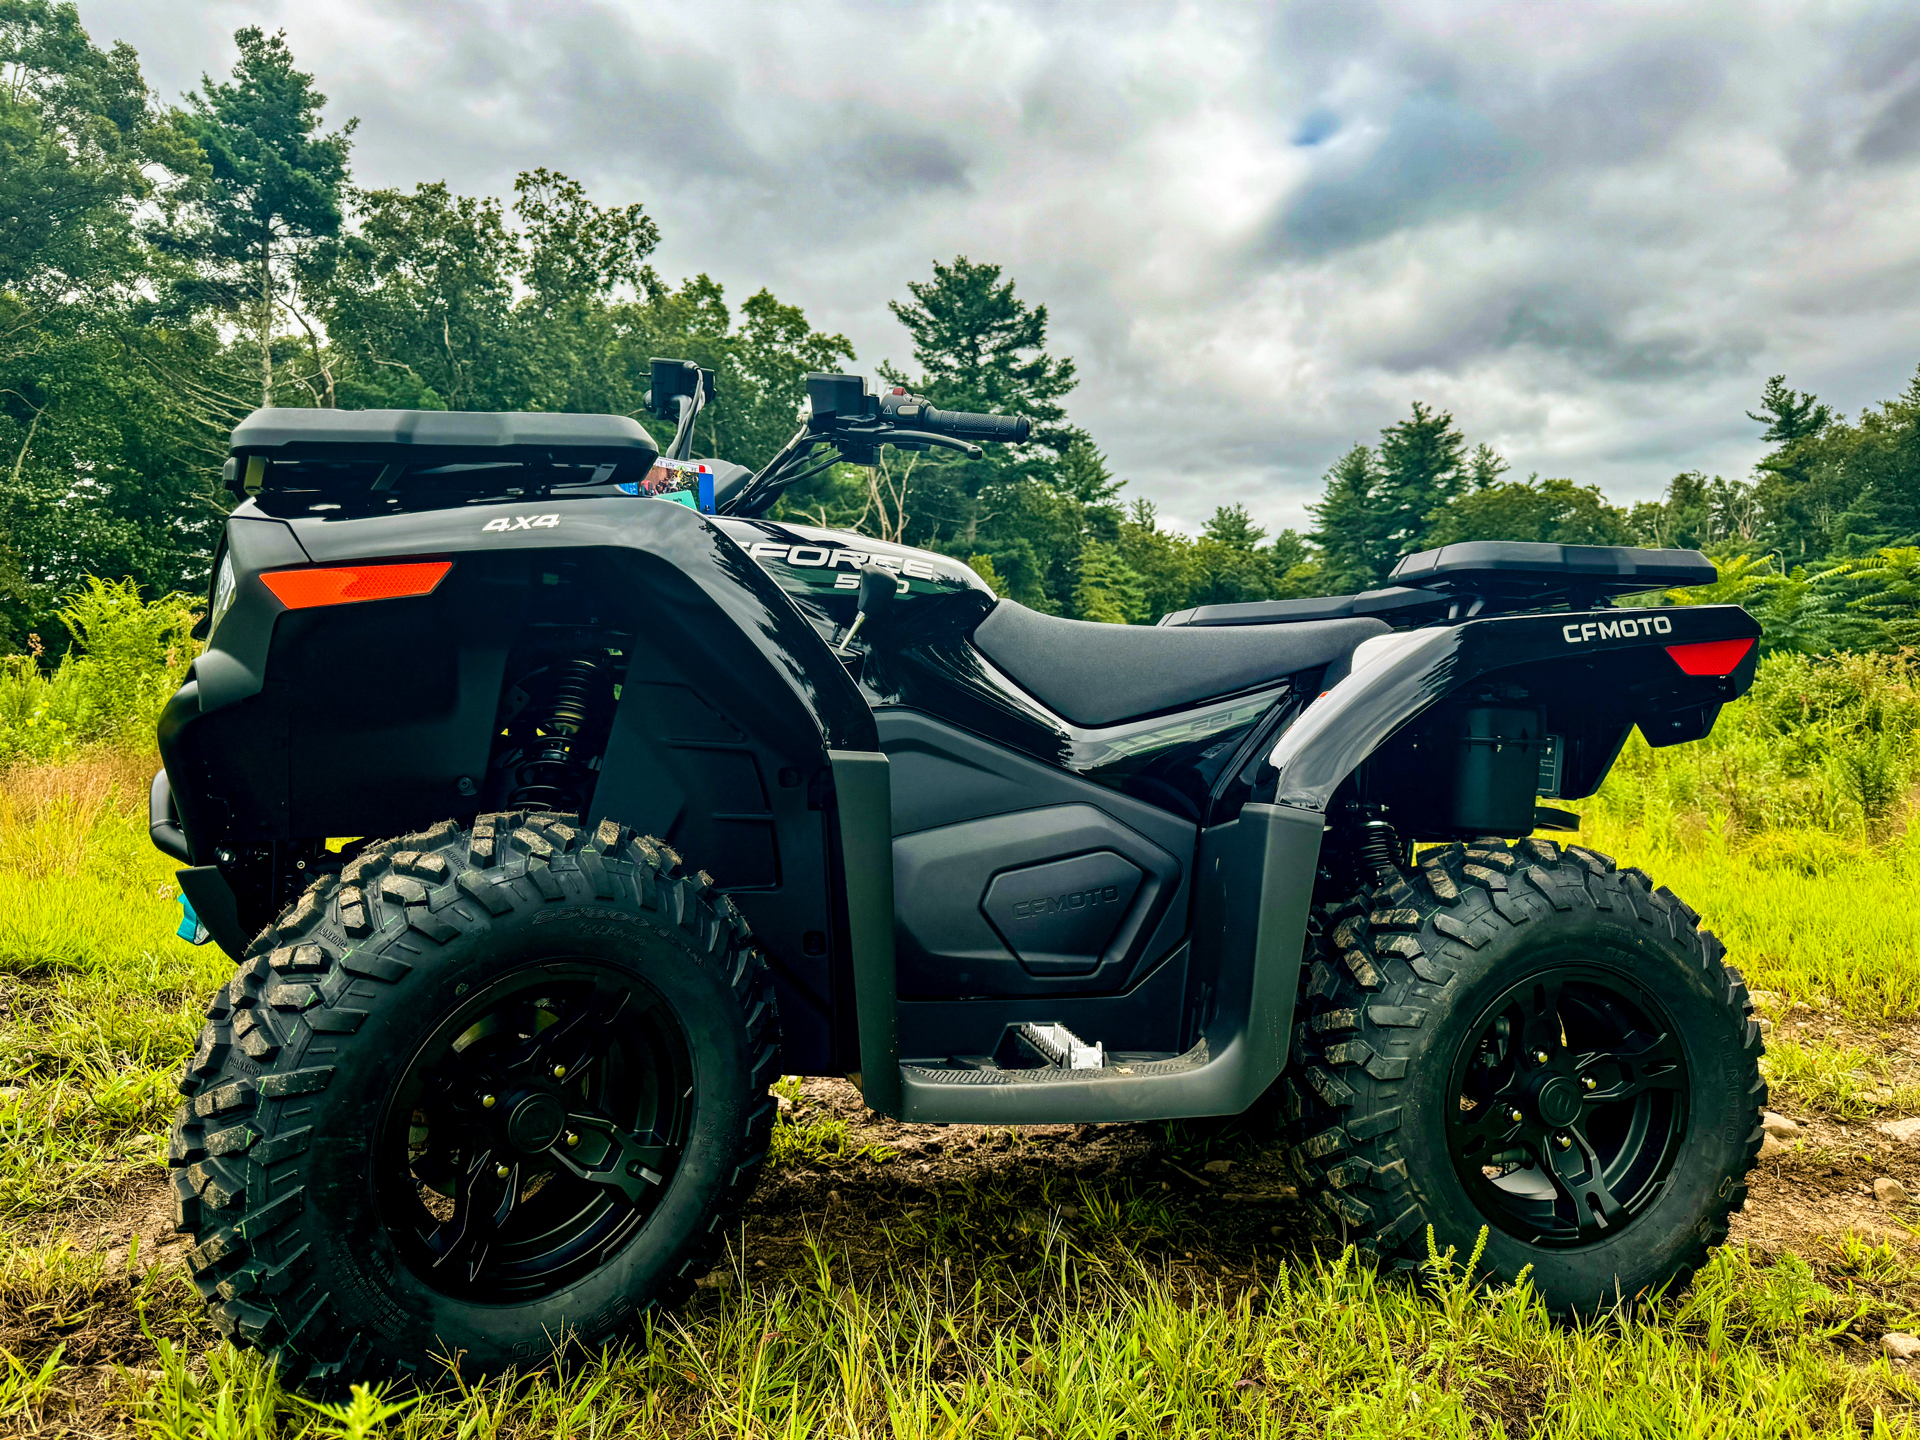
column 1591, row 231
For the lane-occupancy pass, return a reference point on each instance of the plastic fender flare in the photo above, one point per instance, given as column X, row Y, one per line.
column 1395, row 677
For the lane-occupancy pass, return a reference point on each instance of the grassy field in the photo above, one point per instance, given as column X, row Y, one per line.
column 1102, row 1281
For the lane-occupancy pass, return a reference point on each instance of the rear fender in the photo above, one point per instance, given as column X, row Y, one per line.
column 1594, row 673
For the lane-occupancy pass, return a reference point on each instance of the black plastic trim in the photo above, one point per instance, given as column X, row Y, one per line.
column 214, row 902
column 861, row 790
column 1265, row 864
column 163, row 821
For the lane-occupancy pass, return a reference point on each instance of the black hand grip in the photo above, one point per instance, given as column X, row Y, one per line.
column 966, row 425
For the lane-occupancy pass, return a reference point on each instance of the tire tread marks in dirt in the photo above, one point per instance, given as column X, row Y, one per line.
column 1380, row 967
column 275, row 1033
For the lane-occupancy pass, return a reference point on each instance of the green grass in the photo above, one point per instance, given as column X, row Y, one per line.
column 1812, row 916
column 99, row 1001
column 1321, row 1349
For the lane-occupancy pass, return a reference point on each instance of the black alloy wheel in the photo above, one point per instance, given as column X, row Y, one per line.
column 535, row 1128
column 1531, row 1042
column 487, row 1093
column 1573, row 1101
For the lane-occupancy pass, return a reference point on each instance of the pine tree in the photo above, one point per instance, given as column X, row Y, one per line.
column 1422, row 467
column 1348, row 524
column 272, row 189
column 981, row 347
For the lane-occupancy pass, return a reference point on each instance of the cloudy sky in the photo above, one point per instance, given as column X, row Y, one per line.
column 1590, row 231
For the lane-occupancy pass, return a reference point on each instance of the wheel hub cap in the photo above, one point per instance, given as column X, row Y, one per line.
column 535, row 1123
column 1558, row 1101
column 1573, row 1104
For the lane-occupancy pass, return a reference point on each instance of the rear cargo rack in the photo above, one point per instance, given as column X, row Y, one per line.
column 1536, row 570
column 1481, row 577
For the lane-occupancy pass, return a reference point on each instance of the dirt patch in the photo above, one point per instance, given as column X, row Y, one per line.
column 1822, row 1184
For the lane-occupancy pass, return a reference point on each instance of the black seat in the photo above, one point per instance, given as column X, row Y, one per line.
column 1096, row 675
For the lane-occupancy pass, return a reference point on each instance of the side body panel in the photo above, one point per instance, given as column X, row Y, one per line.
column 383, row 716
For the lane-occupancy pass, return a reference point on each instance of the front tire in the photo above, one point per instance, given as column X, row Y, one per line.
column 489, row 1092
column 1528, row 1040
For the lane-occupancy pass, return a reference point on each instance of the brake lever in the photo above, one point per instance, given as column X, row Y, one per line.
column 888, row 435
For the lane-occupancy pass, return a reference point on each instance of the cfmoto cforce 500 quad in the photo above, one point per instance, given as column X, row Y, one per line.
column 653, row 798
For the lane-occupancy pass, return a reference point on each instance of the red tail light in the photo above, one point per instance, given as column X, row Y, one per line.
column 1711, row 657
column 299, row 589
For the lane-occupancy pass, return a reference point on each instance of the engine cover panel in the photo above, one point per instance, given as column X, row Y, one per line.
column 1058, row 917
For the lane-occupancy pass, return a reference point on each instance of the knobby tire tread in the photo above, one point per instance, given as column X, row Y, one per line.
column 279, row 1029
column 1381, row 966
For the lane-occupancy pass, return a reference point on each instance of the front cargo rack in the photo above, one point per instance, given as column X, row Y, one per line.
column 341, row 455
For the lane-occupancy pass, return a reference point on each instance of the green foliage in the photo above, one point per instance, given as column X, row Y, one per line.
column 1821, row 744
column 1378, row 503
column 1557, row 511
column 129, row 656
column 1863, row 604
column 269, row 193
column 1108, row 589
column 1791, row 827
column 980, row 347
column 92, row 477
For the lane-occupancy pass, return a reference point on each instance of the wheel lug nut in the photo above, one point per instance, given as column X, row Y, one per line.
column 502, row 1171
column 1563, row 1142
column 572, row 1139
column 559, row 1071
column 1515, row 1115
column 487, row 1103
column 1540, row 1058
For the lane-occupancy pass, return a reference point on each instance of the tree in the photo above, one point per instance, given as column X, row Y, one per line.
column 271, row 191
column 1789, row 415
column 1160, row 558
column 418, row 302
column 97, row 473
column 1422, row 467
column 1557, row 511
column 1349, row 524
column 576, row 258
column 980, row 347
column 1107, row 588
column 1843, row 489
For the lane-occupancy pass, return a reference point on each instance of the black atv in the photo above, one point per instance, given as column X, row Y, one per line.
column 652, row 799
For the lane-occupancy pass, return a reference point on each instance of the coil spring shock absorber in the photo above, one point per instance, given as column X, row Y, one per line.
column 551, row 778
column 1379, row 848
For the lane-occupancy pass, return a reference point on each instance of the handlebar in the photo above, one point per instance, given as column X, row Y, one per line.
column 960, row 424
column 845, row 415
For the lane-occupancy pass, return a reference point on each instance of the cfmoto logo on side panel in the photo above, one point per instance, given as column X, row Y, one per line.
column 1072, row 901
column 1626, row 629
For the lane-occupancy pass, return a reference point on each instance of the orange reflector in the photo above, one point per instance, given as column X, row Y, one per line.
column 299, row 589
column 1711, row 657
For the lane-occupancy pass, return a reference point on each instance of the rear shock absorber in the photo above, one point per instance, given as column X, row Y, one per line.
column 552, row 776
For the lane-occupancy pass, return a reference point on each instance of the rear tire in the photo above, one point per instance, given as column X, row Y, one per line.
column 1528, row 1040
column 486, row 1093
